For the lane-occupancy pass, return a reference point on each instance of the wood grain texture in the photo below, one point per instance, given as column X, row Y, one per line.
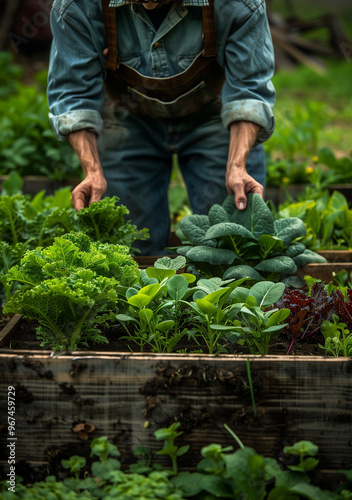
column 296, row 398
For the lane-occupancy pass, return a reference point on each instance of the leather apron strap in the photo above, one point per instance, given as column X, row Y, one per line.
column 169, row 97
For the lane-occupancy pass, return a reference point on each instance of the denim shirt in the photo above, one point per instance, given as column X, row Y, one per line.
column 76, row 69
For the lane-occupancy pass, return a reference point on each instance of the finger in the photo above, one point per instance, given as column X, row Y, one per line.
column 258, row 189
column 105, row 52
column 240, row 197
column 79, row 199
column 95, row 198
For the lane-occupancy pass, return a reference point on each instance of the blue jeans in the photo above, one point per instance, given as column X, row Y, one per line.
column 136, row 156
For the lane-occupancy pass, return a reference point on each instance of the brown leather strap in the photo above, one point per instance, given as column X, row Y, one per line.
column 109, row 17
column 209, row 30
column 173, row 84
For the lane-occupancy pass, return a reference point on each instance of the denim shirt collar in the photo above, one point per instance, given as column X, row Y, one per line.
column 186, row 3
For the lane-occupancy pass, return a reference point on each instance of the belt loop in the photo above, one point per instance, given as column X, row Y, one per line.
column 109, row 17
column 209, row 30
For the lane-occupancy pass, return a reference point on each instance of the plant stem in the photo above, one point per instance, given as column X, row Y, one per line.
column 251, row 386
column 236, row 438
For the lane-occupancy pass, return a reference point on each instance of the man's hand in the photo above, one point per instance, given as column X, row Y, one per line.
column 90, row 190
column 93, row 187
column 238, row 182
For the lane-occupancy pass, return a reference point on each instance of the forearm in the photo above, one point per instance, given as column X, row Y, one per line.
column 84, row 143
column 243, row 136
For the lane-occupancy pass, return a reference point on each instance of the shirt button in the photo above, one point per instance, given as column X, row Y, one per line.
column 156, row 45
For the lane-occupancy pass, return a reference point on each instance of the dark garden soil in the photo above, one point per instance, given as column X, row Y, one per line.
column 25, row 339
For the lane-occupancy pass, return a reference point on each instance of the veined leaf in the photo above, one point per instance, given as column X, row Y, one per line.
column 278, row 317
column 206, row 307
column 256, row 217
column 267, row 293
column 238, row 272
column 177, row 286
column 229, row 229
column 308, row 257
column 194, row 228
column 270, row 244
column 140, row 300
column 289, row 229
column 214, row 297
column 168, row 263
column 159, row 274
column 146, row 314
column 214, row 256
column 295, row 249
column 278, row 265
column 165, row 326
column 217, row 214
column 240, row 293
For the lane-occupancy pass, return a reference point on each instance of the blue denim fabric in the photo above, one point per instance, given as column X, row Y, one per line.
column 76, row 70
column 136, row 155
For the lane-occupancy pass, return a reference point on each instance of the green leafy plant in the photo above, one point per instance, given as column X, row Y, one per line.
column 338, row 339
column 28, row 223
column 303, row 449
column 70, row 288
column 221, row 473
column 168, row 435
column 105, row 221
column 212, row 306
column 327, row 218
column 256, row 322
column 233, row 243
column 298, row 130
column 154, row 306
column 28, row 144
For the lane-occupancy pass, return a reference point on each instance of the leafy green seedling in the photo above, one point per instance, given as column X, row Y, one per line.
column 168, row 435
column 338, row 339
column 75, row 464
column 303, row 449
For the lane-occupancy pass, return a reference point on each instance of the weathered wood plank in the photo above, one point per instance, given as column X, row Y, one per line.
column 296, row 398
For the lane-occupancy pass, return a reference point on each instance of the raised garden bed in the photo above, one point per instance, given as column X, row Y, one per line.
column 32, row 184
column 128, row 396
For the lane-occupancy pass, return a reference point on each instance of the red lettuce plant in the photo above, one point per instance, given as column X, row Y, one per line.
column 307, row 312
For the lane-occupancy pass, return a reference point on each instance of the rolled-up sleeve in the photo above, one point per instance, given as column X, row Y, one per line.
column 76, row 71
column 248, row 93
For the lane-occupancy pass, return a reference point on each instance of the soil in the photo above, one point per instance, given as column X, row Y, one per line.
column 25, row 339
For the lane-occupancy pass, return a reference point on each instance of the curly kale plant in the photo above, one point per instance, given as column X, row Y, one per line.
column 104, row 221
column 38, row 221
column 26, row 224
column 248, row 243
column 70, row 287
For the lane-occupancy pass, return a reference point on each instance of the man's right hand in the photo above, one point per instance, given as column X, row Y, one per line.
column 90, row 190
column 93, row 187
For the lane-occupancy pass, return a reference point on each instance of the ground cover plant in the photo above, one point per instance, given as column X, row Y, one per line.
column 221, row 473
column 249, row 243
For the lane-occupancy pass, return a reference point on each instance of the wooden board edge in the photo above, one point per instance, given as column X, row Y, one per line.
column 11, row 327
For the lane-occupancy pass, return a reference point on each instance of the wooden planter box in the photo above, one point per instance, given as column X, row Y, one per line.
column 128, row 396
column 32, row 184
column 278, row 195
column 337, row 261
